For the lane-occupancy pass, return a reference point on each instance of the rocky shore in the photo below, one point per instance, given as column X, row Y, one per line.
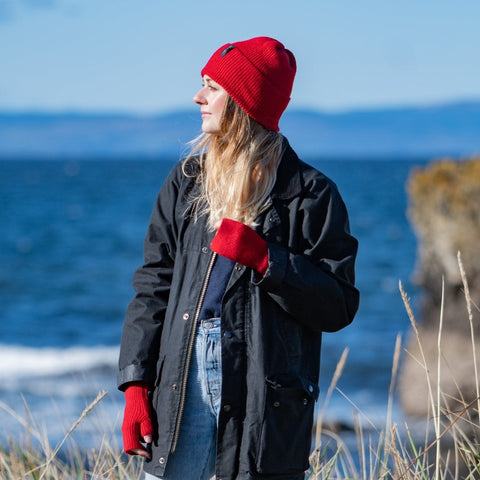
column 444, row 209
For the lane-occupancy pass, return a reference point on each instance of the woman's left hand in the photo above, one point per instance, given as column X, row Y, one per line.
column 242, row 244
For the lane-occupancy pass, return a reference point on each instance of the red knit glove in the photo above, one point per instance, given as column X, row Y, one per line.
column 136, row 419
column 243, row 245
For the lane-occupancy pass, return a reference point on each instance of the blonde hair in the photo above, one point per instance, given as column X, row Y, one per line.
column 238, row 168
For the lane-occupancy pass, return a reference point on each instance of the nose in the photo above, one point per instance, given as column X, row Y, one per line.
column 199, row 97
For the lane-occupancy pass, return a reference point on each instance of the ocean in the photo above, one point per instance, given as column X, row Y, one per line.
column 71, row 238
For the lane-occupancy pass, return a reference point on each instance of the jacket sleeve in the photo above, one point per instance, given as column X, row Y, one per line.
column 313, row 279
column 151, row 282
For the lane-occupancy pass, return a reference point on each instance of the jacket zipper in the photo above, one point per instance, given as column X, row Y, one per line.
column 265, row 206
column 190, row 351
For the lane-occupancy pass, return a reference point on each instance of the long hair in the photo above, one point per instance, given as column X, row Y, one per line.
column 238, row 168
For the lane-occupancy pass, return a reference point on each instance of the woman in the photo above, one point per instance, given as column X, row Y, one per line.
column 248, row 259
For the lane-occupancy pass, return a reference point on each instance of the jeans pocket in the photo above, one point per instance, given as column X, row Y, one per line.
column 286, row 433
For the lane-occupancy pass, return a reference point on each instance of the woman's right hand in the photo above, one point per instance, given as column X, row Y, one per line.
column 137, row 420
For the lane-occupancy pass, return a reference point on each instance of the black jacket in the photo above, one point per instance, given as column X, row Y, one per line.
column 274, row 324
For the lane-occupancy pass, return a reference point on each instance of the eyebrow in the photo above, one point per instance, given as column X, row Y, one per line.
column 208, row 80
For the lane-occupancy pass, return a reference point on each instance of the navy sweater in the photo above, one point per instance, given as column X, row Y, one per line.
column 212, row 303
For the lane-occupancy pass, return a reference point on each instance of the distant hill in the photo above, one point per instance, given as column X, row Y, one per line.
column 57, row 135
column 441, row 130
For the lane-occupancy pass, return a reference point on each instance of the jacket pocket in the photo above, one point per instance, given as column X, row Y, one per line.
column 286, row 432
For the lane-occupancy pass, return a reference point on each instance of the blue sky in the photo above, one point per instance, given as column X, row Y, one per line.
column 145, row 56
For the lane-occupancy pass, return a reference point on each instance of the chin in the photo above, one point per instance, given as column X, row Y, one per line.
column 212, row 129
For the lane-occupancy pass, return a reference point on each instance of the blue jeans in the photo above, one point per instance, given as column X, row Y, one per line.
column 194, row 456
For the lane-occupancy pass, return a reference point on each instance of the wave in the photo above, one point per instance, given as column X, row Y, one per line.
column 19, row 362
column 49, row 387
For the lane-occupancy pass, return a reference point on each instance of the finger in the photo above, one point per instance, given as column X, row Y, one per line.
column 148, row 438
column 146, row 428
column 140, row 452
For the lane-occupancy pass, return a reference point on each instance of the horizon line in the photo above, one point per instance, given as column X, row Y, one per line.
column 80, row 111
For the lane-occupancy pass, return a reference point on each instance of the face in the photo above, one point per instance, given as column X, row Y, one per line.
column 211, row 98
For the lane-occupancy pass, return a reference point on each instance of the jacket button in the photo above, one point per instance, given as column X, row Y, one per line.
column 204, row 249
column 174, row 386
column 227, row 408
column 161, row 460
column 276, row 404
column 186, row 316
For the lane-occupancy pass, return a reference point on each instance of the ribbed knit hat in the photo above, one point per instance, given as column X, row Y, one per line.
column 258, row 74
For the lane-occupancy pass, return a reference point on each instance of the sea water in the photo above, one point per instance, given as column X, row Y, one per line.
column 71, row 238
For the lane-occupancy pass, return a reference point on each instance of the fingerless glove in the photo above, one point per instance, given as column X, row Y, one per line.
column 242, row 244
column 137, row 417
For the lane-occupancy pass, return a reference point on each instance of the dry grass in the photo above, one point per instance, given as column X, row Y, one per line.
column 33, row 458
column 448, row 449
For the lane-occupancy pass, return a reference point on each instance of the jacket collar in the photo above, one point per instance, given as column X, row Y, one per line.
column 289, row 181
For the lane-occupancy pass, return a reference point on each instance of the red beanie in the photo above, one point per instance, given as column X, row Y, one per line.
column 258, row 74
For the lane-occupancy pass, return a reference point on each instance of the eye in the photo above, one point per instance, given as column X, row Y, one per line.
column 212, row 87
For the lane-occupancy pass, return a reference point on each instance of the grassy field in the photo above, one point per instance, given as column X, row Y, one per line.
column 447, row 448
